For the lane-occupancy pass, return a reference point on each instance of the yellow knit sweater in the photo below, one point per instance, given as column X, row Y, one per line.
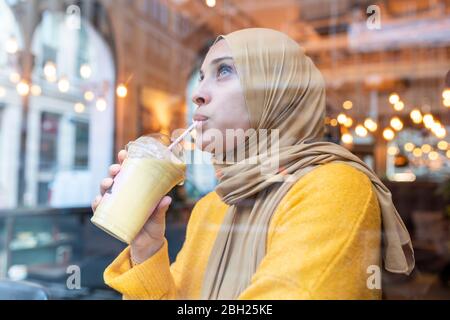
column 323, row 243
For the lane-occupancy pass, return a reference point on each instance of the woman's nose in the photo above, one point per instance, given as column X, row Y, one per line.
column 200, row 98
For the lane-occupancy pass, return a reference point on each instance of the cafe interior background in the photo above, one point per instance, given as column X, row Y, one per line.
column 80, row 79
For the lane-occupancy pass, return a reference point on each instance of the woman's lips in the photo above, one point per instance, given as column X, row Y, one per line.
column 200, row 118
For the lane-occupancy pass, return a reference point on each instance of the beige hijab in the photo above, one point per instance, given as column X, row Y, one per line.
column 283, row 90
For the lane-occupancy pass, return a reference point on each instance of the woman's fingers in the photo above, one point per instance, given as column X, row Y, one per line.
column 105, row 185
column 114, row 170
column 159, row 215
column 122, row 155
column 96, row 202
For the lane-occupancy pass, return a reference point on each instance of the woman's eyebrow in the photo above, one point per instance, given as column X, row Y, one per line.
column 217, row 60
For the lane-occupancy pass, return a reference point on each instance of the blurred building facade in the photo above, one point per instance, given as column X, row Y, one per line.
column 80, row 79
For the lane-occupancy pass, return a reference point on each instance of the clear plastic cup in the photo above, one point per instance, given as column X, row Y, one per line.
column 148, row 173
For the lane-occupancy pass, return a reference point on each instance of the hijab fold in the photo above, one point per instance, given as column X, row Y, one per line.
column 284, row 93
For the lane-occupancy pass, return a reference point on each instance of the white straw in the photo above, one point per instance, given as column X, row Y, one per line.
column 185, row 133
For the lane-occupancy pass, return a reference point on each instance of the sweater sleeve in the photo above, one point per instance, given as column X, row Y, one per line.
column 155, row 278
column 325, row 240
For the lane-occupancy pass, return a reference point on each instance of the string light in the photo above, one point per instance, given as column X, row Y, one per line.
column 347, row 138
column 442, row 145
column 446, row 94
column 85, row 71
column 388, row 134
column 416, row 116
column 79, row 107
column 396, row 124
column 446, row 103
column 347, row 105
column 342, row 118
column 394, row 98
column 392, row 150
column 417, row 152
column 370, row 125
column 448, row 154
column 11, row 45
column 440, row 132
column 211, row 3
column 101, row 104
column 23, row 88
column 50, row 71
column 426, row 148
column 14, row 77
column 121, row 91
column 428, row 120
column 89, row 96
column 348, row 122
column 399, row 106
column 433, row 155
column 36, row 90
column 333, row 122
column 361, row 131
column 409, row 146
column 63, row 85
column 2, row 92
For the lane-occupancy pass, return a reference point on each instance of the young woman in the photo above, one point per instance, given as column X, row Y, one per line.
column 311, row 230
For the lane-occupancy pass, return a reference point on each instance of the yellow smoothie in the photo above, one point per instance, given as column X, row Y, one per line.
column 135, row 193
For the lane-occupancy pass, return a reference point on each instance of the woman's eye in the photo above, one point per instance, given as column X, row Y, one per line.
column 223, row 70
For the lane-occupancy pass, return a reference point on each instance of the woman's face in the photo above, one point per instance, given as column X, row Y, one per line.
column 220, row 99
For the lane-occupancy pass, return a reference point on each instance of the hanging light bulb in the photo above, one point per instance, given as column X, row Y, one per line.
column 347, row 105
column 79, row 107
column 396, row 124
column 416, row 116
column 361, row 131
column 388, row 134
column 63, row 85
column 333, row 122
column 85, row 71
column 341, row 118
column 23, row 88
column 347, row 138
column 50, row 71
column 393, row 150
column 370, row 125
column 89, row 96
column 2, row 92
column 442, row 145
column 433, row 155
column 417, row 152
column 121, row 91
column 446, row 94
column 409, row 146
column 14, row 77
column 211, row 3
column 394, row 98
column 101, row 104
column 446, row 103
column 36, row 90
column 11, row 45
column 399, row 106
column 440, row 132
column 428, row 120
column 348, row 122
column 426, row 148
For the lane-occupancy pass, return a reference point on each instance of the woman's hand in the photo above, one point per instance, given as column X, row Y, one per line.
column 151, row 237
